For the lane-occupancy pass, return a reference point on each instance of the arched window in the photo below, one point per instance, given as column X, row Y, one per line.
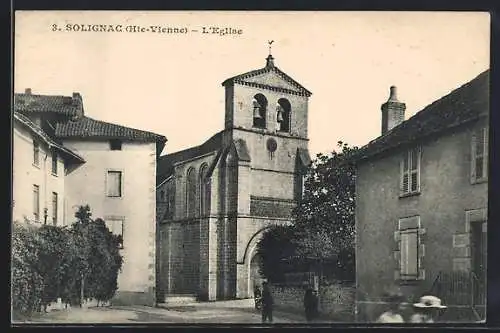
column 190, row 193
column 283, row 110
column 204, row 191
column 259, row 104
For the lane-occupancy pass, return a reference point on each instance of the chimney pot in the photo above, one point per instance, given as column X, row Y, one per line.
column 27, row 91
column 393, row 111
column 393, row 96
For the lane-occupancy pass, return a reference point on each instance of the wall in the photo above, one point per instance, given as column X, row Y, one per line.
column 26, row 174
column 137, row 207
column 243, row 107
column 336, row 300
column 446, row 194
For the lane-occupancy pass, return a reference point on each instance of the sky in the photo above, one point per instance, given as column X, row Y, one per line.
column 170, row 84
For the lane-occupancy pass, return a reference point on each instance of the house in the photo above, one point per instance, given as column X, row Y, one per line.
column 64, row 159
column 215, row 200
column 421, row 203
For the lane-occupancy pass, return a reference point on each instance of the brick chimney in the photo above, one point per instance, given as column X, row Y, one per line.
column 393, row 111
column 76, row 98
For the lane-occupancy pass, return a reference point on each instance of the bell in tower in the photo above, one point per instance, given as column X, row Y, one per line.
column 256, row 109
column 279, row 110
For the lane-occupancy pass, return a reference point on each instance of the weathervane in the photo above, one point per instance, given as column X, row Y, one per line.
column 270, row 42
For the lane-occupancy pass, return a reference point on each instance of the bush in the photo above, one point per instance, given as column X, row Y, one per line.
column 49, row 262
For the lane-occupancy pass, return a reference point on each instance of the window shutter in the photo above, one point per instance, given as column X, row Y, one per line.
column 485, row 153
column 404, row 181
column 409, row 254
column 473, row 158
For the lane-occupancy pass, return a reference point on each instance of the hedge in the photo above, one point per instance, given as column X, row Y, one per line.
column 73, row 263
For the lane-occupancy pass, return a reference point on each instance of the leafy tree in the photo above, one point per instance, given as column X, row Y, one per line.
column 273, row 247
column 325, row 217
column 26, row 282
column 323, row 221
column 105, row 262
column 81, row 235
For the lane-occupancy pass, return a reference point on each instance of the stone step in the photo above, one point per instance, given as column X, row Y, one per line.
column 179, row 299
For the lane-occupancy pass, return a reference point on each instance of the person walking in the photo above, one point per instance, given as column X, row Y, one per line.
column 267, row 303
column 310, row 304
column 392, row 315
column 257, row 294
column 427, row 310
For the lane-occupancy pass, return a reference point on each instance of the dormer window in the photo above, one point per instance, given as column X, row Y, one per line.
column 115, row 145
column 259, row 105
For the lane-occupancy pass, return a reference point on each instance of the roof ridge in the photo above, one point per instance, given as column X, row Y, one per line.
column 443, row 108
column 119, row 125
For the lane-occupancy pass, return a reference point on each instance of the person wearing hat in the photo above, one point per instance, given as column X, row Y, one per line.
column 392, row 315
column 426, row 309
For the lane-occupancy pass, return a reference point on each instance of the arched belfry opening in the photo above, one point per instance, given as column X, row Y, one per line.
column 259, row 111
column 283, row 112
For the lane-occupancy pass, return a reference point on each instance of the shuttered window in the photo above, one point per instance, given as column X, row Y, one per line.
column 410, row 172
column 114, row 184
column 36, row 153
column 409, row 249
column 54, row 208
column 115, row 225
column 36, row 202
column 479, row 160
column 54, row 163
column 409, row 254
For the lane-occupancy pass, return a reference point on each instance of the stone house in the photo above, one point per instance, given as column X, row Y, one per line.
column 216, row 199
column 63, row 159
column 421, row 205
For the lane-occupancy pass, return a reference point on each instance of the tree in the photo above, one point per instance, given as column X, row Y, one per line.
column 273, row 247
column 81, row 235
column 324, row 220
column 105, row 262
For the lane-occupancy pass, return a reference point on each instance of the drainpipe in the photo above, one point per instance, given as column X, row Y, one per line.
column 45, row 210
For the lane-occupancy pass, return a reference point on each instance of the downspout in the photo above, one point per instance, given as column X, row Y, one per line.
column 45, row 210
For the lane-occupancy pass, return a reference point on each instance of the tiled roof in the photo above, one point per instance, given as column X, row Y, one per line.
column 77, row 125
column 65, row 105
column 462, row 105
column 165, row 166
column 35, row 129
column 241, row 78
column 86, row 127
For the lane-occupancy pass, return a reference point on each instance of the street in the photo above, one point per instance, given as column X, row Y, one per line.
column 238, row 311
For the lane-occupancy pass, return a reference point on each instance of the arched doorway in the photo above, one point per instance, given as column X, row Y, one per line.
column 255, row 276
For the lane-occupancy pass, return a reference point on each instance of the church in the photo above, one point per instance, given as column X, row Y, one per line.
column 215, row 200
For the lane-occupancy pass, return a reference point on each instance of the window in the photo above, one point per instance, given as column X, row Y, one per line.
column 190, row 193
column 409, row 254
column 114, row 184
column 479, row 161
column 259, row 104
column 115, row 145
column 36, row 153
column 410, row 172
column 204, row 191
column 410, row 250
column 283, row 110
column 54, row 208
column 115, row 225
column 54, row 163
column 36, row 202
